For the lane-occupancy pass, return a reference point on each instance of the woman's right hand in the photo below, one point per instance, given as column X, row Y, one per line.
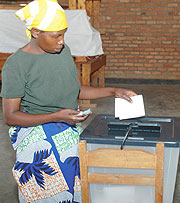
column 69, row 116
column 14, row 117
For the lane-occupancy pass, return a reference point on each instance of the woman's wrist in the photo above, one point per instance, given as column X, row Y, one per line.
column 55, row 116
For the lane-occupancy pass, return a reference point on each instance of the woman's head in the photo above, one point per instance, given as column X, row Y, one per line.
column 45, row 15
column 49, row 42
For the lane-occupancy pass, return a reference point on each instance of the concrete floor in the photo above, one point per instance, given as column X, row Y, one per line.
column 160, row 100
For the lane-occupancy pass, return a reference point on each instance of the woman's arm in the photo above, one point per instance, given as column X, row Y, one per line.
column 14, row 117
column 87, row 92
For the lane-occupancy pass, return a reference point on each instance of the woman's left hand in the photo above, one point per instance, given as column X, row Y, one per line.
column 124, row 94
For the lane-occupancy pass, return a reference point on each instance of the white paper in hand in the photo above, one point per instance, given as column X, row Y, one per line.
column 126, row 110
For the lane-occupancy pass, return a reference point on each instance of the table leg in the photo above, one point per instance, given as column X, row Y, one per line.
column 85, row 78
column 101, row 77
column 94, row 78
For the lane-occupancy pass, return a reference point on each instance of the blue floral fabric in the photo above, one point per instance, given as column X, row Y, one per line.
column 47, row 162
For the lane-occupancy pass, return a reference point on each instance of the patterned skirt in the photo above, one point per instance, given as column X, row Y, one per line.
column 47, row 162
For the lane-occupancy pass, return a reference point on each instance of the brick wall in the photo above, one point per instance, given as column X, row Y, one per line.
column 141, row 38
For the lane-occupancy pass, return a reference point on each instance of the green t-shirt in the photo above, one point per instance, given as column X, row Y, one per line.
column 46, row 83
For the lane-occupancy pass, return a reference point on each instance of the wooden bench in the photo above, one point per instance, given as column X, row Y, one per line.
column 91, row 72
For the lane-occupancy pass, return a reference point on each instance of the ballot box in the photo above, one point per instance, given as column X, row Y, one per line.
column 138, row 133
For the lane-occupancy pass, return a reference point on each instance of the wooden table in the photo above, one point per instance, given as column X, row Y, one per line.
column 91, row 70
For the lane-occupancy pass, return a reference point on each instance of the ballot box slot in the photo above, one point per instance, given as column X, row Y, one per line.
column 143, row 119
column 138, row 129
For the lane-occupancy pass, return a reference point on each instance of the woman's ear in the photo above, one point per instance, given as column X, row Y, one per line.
column 35, row 32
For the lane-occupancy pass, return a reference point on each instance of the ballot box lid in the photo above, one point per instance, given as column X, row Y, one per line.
column 145, row 131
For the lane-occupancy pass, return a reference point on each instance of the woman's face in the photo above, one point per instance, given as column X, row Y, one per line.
column 51, row 42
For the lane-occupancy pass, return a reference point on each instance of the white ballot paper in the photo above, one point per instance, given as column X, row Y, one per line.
column 126, row 110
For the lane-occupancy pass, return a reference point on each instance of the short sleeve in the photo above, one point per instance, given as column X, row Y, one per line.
column 13, row 82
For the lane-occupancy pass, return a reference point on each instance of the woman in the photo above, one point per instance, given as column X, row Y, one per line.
column 40, row 89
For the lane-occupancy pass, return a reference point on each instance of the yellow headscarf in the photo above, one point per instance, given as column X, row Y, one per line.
column 46, row 15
